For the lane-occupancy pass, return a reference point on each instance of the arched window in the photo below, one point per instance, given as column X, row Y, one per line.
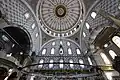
column 71, row 32
column 44, row 51
column 68, row 43
column 36, row 35
column 75, row 29
column 41, row 65
column 81, row 62
column 93, row 15
column 105, row 59
column 69, row 51
column 61, row 42
column 61, row 51
column 27, row 15
column 33, row 26
column 112, row 53
column 89, row 60
column 46, row 29
column 106, row 45
column 13, row 45
column 52, row 51
column 84, row 34
column 66, row 34
column 32, row 77
column 50, row 32
column 61, row 63
column 78, row 51
column 21, row 53
column 81, row 20
column 53, row 43
column 5, row 38
column 71, row 65
column 116, row 40
column 51, row 65
column 87, row 25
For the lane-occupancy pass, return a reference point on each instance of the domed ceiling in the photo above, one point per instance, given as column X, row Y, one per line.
column 59, row 16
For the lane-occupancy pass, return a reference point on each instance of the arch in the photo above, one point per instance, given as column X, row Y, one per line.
column 87, row 25
column 89, row 60
column 93, row 15
column 112, row 54
column 44, row 51
column 78, row 51
column 68, row 43
column 53, row 51
column 116, row 40
column 69, row 51
column 19, row 36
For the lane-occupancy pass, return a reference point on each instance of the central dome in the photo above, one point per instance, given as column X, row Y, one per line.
column 59, row 15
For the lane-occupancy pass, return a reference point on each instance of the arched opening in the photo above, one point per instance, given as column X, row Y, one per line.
column 116, row 40
column 52, row 50
column 69, row 51
column 44, row 51
column 112, row 54
column 19, row 37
